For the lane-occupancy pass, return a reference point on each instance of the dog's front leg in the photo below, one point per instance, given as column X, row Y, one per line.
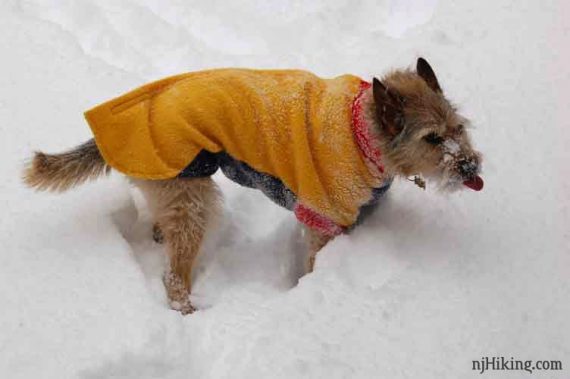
column 315, row 241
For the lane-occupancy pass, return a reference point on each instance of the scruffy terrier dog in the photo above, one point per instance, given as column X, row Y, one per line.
column 327, row 149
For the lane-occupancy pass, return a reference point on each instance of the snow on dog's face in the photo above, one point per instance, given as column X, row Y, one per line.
column 420, row 131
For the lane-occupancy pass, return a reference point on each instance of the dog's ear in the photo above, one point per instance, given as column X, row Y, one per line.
column 389, row 108
column 427, row 74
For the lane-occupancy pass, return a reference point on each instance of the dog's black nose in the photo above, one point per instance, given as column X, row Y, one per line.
column 467, row 168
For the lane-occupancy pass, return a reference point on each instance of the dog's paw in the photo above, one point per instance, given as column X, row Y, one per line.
column 183, row 307
column 157, row 235
column 178, row 294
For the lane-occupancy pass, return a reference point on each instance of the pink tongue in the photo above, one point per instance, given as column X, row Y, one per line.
column 475, row 184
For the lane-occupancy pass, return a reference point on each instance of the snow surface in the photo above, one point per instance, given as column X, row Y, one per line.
column 428, row 284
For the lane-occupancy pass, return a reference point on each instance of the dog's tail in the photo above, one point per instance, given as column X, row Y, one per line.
column 60, row 172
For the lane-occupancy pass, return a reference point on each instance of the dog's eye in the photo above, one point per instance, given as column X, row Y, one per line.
column 459, row 129
column 433, row 139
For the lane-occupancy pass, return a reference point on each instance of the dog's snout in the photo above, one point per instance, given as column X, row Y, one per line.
column 467, row 168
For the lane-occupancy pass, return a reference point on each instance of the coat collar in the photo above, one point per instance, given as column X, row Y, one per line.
column 361, row 129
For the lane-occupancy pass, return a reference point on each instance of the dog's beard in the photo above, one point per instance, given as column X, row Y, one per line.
column 448, row 180
column 448, row 176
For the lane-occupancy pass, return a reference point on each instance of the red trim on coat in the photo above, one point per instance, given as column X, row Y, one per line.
column 317, row 221
column 361, row 131
column 372, row 154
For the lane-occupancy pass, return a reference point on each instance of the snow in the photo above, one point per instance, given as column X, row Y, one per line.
column 451, row 146
column 425, row 286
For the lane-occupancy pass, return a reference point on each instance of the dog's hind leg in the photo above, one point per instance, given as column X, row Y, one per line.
column 182, row 209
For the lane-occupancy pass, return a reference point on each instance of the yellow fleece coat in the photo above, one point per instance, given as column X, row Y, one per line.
column 287, row 123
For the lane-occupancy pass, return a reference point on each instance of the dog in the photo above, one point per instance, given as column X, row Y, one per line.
column 327, row 149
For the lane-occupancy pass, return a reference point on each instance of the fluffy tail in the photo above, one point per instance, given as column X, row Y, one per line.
column 60, row 172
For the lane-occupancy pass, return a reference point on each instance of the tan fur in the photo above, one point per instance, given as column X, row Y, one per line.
column 315, row 242
column 425, row 111
column 184, row 208
column 60, row 172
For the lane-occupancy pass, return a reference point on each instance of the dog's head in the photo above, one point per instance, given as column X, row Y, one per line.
column 421, row 132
